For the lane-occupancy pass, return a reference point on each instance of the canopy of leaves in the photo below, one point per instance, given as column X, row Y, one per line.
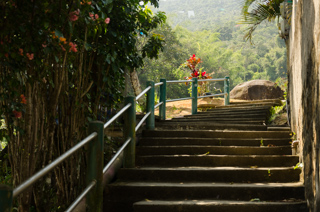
column 61, row 66
column 215, row 35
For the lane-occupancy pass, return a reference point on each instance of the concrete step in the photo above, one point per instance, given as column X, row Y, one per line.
column 213, row 150
column 210, row 174
column 236, row 108
column 217, row 134
column 217, row 160
column 239, row 109
column 231, row 121
column 226, row 117
column 277, row 128
column 173, row 125
column 257, row 101
column 218, row 206
column 124, row 194
column 271, row 104
column 228, row 114
column 213, row 119
column 214, row 106
column 150, row 141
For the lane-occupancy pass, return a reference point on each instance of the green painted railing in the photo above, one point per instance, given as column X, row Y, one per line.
column 95, row 142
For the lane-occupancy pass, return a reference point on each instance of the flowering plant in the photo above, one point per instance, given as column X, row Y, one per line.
column 193, row 64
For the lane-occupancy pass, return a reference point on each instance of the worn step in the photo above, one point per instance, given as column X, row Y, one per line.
column 210, row 174
column 234, row 120
column 172, row 125
column 254, row 122
column 278, row 101
column 235, row 108
column 217, row 160
column 216, row 134
column 228, row 114
column 127, row 193
column 282, row 128
column 243, row 106
column 158, row 141
column 218, row 206
column 213, row 150
column 270, row 104
column 225, row 118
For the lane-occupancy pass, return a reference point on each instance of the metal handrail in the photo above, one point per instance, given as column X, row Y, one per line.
column 52, row 165
column 116, row 116
column 81, row 196
column 157, row 105
column 105, row 169
column 129, row 134
column 174, row 100
column 157, row 84
column 178, row 81
column 142, row 120
column 212, row 80
column 219, row 94
column 143, row 92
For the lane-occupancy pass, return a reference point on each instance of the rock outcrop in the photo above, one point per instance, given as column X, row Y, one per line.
column 257, row 89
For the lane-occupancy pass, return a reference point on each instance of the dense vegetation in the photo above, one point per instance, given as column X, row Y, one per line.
column 215, row 35
column 61, row 66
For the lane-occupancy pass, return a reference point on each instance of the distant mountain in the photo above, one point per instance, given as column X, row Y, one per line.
column 200, row 14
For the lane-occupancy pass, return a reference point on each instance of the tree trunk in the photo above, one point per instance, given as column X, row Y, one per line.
column 137, row 87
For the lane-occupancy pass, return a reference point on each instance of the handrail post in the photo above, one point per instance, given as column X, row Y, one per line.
column 150, row 106
column 95, row 167
column 194, row 95
column 227, row 91
column 163, row 98
column 129, row 132
column 6, row 193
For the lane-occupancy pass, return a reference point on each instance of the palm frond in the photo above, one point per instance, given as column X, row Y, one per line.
column 254, row 12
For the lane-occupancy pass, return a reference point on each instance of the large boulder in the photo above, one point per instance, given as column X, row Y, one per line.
column 257, row 89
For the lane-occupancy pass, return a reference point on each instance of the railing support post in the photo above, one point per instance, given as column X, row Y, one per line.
column 163, row 98
column 129, row 132
column 150, row 106
column 95, row 167
column 5, row 198
column 194, row 95
column 227, row 91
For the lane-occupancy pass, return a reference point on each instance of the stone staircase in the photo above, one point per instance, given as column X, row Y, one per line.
column 223, row 160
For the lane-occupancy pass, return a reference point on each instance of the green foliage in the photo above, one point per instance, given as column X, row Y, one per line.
column 254, row 12
column 61, row 66
column 166, row 66
column 218, row 40
column 298, row 166
column 274, row 111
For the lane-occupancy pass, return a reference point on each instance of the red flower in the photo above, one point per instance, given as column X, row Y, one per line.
column 73, row 47
column 17, row 114
column 195, row 74
column 73, row 16
column 21, row 52
column 194, row 56
column 23, row 99
column 93, row 16
column 203, row 73
column 30, row 56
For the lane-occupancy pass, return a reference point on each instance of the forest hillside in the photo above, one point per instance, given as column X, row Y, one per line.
column 211, row 30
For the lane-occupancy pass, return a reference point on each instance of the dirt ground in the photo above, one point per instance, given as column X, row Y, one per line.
column 181, row 108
